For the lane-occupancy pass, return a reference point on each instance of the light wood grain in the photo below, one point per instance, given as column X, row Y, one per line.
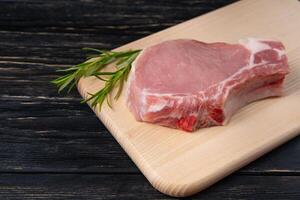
column 180, row 164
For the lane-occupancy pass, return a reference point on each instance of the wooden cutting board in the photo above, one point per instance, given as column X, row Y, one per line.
column 179, row 163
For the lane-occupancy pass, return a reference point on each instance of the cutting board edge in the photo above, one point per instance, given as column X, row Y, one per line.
column 161, row 183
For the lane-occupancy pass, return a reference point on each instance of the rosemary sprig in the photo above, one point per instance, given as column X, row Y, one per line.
column 92, row 67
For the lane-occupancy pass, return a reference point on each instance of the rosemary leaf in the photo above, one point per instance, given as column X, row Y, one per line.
column 93, row 67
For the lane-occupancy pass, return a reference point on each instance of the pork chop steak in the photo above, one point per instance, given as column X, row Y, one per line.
column 187, row 84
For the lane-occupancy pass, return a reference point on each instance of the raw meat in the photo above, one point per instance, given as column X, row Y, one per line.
column 187, row 84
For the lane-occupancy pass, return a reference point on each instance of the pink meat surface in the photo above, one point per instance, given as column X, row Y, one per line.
column 187, row 84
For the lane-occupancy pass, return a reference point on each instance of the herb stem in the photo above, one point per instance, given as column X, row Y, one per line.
column 93, row 67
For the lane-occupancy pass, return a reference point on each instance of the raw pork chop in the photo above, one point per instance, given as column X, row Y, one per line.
column 187, row 84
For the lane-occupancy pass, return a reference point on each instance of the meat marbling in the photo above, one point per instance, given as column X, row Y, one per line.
column 188, row 84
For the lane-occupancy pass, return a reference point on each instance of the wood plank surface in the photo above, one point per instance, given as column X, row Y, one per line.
column 39, row 132
column 131, row 187
column 181, row 164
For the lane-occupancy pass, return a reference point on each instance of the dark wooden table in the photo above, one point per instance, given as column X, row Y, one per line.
column 53, row 147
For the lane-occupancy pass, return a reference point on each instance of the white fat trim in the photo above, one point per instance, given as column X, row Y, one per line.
column 158, row 106
column 143, row 103
column 173, row 95
column 254, row 45
column 280, row 52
